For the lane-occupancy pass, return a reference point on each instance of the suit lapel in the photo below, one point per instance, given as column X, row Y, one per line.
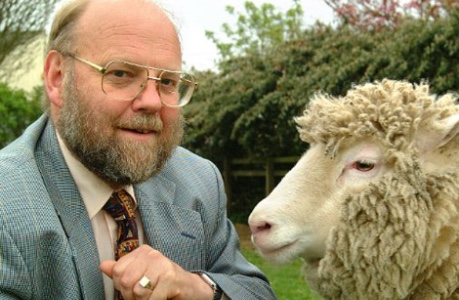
column 150, row 195
column 72, row 214
column 176, row 230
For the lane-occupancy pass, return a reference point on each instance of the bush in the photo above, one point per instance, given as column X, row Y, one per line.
column 247, row 109
column 18, row 109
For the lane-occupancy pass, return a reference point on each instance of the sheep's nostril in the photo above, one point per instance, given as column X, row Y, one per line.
column 260, row 227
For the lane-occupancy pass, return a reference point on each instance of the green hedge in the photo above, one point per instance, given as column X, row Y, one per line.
column 247, row 108
column 18, row 109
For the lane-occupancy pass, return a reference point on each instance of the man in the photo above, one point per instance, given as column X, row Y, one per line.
column 111, row 129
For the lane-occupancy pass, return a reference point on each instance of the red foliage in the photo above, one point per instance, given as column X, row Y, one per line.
column 376, row 14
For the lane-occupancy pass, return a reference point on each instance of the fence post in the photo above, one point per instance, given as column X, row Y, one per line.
column 269, row 176
column 227, row 179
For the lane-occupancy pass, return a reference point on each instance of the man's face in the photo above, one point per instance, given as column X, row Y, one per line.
column 122, row 142
column 93, row 137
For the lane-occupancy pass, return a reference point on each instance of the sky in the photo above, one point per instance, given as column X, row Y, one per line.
column 197, row 16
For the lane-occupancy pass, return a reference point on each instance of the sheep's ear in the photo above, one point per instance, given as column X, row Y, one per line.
column 438, row 134
column 452, row 129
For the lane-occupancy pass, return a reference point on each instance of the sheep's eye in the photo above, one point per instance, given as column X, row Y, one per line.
column 363, row 166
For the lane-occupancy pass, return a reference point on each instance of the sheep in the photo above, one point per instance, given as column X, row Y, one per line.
column 372, row 206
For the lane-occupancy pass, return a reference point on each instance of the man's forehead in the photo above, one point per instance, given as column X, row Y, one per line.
column 126, row 21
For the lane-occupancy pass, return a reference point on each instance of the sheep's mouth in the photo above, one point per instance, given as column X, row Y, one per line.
column 282, row 253
column 280, row 249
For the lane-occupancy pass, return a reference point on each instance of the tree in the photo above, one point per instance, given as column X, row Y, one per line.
column 21, row 21
column 250, row 105
column 249, row 71
column 374, row 15
column 257, row 28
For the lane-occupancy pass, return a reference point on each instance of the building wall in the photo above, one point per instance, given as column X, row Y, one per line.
column 29, row 74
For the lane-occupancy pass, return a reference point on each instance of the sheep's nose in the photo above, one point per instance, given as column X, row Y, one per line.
column 259, row 226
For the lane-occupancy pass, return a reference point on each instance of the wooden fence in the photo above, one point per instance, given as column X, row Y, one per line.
column 269, row 168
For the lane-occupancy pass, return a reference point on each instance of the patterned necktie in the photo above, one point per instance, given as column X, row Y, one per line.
column 122, row 208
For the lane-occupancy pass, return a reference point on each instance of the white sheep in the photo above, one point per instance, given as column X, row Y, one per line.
column 372, row 206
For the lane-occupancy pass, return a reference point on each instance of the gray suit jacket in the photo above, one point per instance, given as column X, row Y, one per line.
column 47, row 246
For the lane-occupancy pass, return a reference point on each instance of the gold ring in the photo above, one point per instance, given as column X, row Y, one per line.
column 145, row 283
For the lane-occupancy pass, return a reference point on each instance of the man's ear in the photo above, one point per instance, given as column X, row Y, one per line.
column 54, row 77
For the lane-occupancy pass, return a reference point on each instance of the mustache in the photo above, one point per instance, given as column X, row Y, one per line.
column 143, row 122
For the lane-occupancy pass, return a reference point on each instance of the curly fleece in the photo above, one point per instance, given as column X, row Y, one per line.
column 400, row 238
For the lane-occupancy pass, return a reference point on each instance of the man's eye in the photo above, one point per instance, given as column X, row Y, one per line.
column 168, row 82
column 120, row 73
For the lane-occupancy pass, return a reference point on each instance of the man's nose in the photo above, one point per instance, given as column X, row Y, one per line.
column 150, row 97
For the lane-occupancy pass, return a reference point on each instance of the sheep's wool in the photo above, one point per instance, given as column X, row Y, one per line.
column 400, row 238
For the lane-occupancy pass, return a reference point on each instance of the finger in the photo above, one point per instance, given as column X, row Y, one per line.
column 127, row 272
column 164, row 291
column 166, row 286
column 107, row 267
column 144, row 288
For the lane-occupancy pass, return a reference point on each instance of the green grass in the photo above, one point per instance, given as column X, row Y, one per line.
column 286, row 280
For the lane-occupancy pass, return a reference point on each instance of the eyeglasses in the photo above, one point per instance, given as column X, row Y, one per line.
column 124, row 81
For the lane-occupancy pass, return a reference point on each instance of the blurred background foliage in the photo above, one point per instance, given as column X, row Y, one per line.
column 18, row 109
column 271, row 64
column 246, row 109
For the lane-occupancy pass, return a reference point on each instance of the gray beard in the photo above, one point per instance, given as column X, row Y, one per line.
column 117, row 162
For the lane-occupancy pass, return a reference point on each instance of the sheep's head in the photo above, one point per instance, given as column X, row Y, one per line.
column 363, row 192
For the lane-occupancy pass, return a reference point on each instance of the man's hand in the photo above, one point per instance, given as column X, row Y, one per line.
column 168, row 280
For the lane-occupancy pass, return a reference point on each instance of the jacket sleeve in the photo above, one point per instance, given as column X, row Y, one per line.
column 14, row 277
column 238, row 278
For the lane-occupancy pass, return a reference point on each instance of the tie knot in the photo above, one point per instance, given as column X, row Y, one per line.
column 121, row 206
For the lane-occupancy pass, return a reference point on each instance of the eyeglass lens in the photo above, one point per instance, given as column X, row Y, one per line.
column 124, row 81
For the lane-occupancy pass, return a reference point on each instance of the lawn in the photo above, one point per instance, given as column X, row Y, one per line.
column 286, row 280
